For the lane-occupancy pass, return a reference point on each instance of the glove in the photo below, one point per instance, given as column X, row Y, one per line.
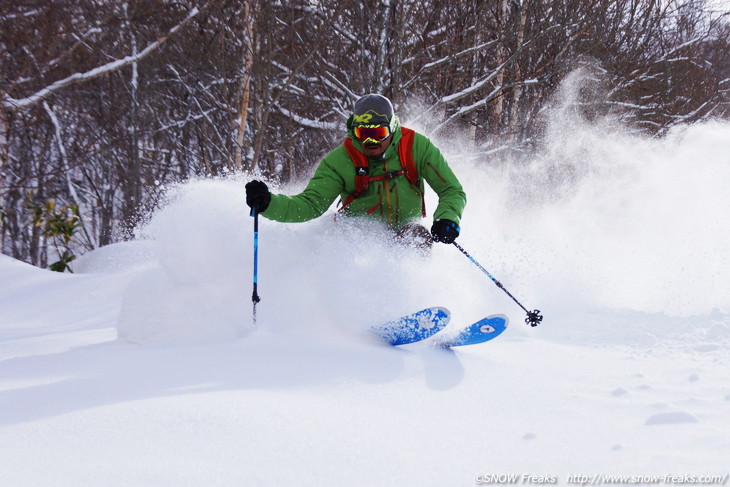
column 444, row 231
column 258, row 196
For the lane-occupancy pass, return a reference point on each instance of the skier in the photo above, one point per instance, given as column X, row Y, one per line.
column 378, row 171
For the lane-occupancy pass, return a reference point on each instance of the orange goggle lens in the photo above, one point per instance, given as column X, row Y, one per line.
column 377, row 134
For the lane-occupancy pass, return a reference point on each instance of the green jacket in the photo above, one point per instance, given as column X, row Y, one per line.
column 395, row 202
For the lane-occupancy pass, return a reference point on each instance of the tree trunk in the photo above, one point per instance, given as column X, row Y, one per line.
column 517, row 90
column 4, row 153
column 133, row 180
column 501, row 58
column 245, row 84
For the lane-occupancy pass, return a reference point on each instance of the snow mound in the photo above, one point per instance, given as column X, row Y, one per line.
column 118, row 257
column 671, row 418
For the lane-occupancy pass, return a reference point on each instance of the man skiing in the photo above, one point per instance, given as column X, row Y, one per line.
column 378, row 171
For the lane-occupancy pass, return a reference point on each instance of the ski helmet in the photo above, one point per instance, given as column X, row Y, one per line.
column 374, row 109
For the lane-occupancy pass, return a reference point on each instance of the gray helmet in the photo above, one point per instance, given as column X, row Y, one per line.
column 374, row 110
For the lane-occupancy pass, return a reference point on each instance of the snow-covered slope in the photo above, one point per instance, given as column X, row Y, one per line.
column 143, row 368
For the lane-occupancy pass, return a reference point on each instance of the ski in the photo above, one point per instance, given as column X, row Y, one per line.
column 414, row 327
column 482, row 331
column 429, row 322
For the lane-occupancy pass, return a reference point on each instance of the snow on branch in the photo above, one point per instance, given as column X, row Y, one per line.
column 485, row 80
column 445, row 59
column 317, row 124
column 17, row 104
column 686, row 44
column 459, row 54
column 23, row 14
column 482, row 102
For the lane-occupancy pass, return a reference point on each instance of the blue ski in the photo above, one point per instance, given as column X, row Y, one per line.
column 483, row 330
column 413, row 328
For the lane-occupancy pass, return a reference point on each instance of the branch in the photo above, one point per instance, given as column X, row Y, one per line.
column 474, row 106
column 444, row 60
column 306, row 122
column 18, row 104
column 476, row 86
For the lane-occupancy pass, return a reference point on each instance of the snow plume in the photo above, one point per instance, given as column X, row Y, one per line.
column 633, row 221
column 599, row 220
column 189, row 293
column 600, row 217
column 325, row 277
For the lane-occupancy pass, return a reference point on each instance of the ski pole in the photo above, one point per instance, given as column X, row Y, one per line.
column 255, row 297
column 533, row 317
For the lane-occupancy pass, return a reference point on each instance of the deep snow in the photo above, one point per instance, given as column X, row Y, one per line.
column 143, row 368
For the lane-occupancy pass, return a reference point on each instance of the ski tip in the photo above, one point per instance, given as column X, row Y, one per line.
column 499, row 315
column 481, row 331
column 440, row 314
column 442, row 308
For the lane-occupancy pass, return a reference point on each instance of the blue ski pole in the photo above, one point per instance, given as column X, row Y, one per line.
column 533, row 317
column 255, row 297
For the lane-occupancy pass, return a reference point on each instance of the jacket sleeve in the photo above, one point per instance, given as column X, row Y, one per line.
column 438, row 174
column 324, row 187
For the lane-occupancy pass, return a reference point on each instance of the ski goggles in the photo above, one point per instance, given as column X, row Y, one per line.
column 376, row 133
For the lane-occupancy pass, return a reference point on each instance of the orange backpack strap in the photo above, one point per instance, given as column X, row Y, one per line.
column 362, row 172
column 405, row 154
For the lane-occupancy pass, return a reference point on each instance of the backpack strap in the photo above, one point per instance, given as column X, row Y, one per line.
column 362, row 172
column 362, row 169
column 405, row 154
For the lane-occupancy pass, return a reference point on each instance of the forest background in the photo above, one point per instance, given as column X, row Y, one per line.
column 104, row 104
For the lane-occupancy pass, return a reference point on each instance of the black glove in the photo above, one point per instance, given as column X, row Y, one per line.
column 444, row 231
column 258, row 196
